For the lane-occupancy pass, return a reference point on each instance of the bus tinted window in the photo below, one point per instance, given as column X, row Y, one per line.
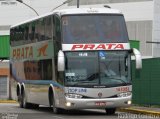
column 17, row 36
column 53, row 28
column 58, row 29
column 26, row 32
column 48, row 28
column 32, row 32
column 12, row 37
column 40, row 30
column 38, row 70
column 94, row 29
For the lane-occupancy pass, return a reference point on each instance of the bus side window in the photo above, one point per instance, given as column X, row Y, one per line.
column 56, row 35
column 58, row 29
column 12, row 37
column 53, row 28
column 48, row 28
column 36, row 30
column 16, row 36
column 26, row 31
column 40, row 28
column 20, row 33
column 32, row 32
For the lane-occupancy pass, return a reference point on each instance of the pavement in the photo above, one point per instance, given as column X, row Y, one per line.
column 142, row 110
column 133, row 109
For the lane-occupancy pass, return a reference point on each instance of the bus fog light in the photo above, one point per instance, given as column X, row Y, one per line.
column 68, row 104
column 129, row 102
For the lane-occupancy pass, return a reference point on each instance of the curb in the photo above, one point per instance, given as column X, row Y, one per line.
column 8, row 101
column 139, row 111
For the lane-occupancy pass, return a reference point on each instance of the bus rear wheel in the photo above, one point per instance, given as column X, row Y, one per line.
column 23, row 101
column 110, row 111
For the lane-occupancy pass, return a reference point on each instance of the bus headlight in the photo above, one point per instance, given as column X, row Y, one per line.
column 125, row 94
column 73, row 95
column 68, row 104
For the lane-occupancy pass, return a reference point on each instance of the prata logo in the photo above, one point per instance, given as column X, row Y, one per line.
column 42, row 50
column 96, row 46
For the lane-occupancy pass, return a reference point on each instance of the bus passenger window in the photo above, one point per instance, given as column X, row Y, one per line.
column 53, row 28
column 37, row 31
column 48, row 28
column 12, row 37
column 20, row 32
column 32, row 32
column 58, row 30
column 26, row 30
column 40, row 29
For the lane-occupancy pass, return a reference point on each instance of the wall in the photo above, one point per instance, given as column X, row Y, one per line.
column 4, row 47
column 141, row 31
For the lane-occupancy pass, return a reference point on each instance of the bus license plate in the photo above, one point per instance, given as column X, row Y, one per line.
column 100, row 103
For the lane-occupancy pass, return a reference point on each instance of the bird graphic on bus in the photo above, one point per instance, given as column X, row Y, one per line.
column 42, row 51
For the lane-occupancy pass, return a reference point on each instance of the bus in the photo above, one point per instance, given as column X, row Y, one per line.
column 78, row 58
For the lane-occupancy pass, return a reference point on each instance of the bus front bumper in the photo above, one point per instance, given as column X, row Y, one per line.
column 72, row 103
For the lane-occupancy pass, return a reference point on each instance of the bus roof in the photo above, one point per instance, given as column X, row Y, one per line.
column 74, row 11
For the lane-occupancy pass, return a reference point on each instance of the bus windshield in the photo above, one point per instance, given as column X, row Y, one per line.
column 94, row 29
column 107, row 68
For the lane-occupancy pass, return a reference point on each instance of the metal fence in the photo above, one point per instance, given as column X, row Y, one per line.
column 146, row 82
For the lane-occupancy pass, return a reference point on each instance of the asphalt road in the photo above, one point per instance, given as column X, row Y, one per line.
column 13, row 111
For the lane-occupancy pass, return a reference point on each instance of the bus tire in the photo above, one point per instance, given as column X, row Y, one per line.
column 110, row 111
column 54, row 108
column 20, row 101
column 23, row 101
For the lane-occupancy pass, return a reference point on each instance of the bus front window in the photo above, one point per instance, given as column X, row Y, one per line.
column 94, row 29
column 114, row 68
column 81, row 68
column 107, row 68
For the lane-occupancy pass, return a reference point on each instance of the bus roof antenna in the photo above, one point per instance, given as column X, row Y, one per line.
column 107, row 6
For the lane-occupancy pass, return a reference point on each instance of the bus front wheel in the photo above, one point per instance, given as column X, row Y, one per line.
column 110, row 111
column 55, row 109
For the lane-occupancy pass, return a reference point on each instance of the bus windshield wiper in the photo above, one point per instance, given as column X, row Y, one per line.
column 123, row 82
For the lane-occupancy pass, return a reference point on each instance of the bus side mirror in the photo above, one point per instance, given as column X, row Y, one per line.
column 138, row 58
column 61, row 61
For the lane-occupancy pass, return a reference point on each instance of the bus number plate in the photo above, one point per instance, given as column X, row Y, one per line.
column 100, row 103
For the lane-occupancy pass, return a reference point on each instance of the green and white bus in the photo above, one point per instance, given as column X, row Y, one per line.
column 73, row 59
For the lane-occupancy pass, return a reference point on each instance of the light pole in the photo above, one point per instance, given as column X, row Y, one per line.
column 65, row 2
column 28, row 6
